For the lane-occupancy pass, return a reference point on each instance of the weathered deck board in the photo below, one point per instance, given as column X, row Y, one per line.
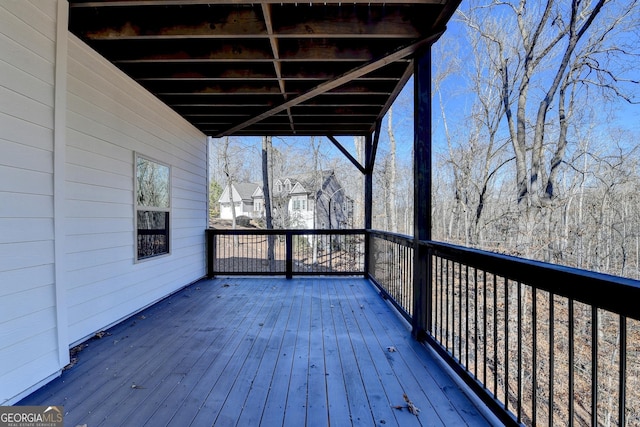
column 260, row 351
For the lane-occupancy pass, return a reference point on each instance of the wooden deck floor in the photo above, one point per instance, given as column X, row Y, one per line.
column 259, row 351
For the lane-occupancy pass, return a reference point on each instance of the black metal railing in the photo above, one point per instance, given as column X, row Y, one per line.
column 391, row 268
column 540, row 344
column 288, row 252
column 548, row 345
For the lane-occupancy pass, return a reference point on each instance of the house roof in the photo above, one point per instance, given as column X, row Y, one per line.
column 266, row 67
column 304, row 183
column 245, row 190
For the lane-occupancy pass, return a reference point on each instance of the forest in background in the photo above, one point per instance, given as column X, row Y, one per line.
column 535, row 137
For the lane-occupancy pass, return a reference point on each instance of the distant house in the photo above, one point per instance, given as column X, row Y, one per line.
column 244, row 195
column 312, row 200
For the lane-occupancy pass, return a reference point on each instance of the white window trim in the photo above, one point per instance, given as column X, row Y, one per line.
column 137, row 208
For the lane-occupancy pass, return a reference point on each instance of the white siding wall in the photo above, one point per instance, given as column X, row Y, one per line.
column 28, row 336
column 69, row 127
column 109, row 118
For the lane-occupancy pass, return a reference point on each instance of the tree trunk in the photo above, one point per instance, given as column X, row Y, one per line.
column 228, row 174
column 358, row 208
column 266, row 151
column 393, row 214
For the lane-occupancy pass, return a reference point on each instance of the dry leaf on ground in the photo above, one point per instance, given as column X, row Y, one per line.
column 410, row 406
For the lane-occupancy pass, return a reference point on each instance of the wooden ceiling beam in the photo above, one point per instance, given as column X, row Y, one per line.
column 345, row 78
column 245, row 50
column 227, row 21
column 346, row 153
column 392, row 97
column 137, row 3
column 273, row 41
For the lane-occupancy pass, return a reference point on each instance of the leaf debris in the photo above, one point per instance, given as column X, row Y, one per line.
column 410, row 406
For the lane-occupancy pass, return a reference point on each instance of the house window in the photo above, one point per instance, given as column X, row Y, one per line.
column 299, row 205
column 152, row 208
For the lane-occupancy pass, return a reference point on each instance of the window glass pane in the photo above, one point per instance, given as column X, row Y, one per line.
column 153, row 233
column 153, row 183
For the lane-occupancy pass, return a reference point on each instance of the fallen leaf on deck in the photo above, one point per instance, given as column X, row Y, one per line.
column 77, row 349
column 410, row 406
column 101, row 334
column 72, row 362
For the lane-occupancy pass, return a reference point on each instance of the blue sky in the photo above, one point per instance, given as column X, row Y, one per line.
column 458, row 103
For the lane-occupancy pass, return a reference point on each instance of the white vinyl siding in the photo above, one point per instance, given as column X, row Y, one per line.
column 109, row 118
column 69, row 218
column 28, row 337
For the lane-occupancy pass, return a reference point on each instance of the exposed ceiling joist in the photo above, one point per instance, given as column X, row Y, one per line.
column 339, row 81
column 266, row 67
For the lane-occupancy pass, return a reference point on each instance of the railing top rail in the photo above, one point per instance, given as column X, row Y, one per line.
column 617, row 294
column 262, row 232
column 401, row 239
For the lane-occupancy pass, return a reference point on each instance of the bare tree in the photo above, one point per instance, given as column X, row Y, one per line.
column 266, row 151
column 548, row 49
column 359, row 142
column 477, row 152
column 393, row 175
column 230, row 178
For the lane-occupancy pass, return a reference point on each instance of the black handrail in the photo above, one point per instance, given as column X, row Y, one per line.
column 613, row 293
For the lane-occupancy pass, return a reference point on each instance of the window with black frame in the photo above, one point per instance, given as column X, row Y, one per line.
column 153, row 203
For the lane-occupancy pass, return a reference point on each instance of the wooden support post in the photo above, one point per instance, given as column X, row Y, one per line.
column 211, row 253
column 288, row 250
column 368, row 199
column 421, row 319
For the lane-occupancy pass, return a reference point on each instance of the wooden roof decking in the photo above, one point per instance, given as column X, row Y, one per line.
column 266, row 67
column 260, row 351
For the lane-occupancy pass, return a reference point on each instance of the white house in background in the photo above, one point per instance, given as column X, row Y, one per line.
column 244, row 200
column 312, row 200
column 103, row 195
